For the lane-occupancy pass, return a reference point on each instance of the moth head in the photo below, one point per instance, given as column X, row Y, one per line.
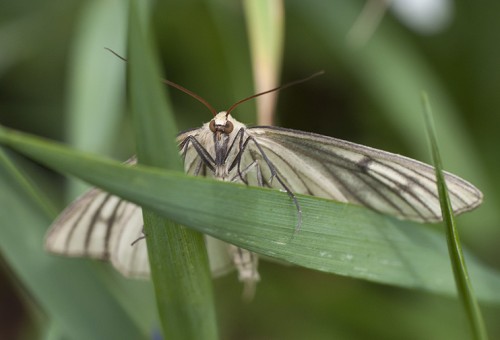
column 221, row 124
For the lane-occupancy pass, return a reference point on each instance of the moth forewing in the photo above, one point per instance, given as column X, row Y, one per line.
column 344, row 171
column 85, row 228
column 81, row 229
column 128, row 253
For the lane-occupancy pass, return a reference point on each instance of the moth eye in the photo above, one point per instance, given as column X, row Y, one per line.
column 212, row 125
column 229, row 127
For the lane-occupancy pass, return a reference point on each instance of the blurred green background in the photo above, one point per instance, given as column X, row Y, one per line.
column 57, row 81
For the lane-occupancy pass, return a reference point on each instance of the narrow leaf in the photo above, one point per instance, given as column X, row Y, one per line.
column 462, row 280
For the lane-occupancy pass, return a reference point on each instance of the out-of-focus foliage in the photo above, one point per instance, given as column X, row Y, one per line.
column 56, row 80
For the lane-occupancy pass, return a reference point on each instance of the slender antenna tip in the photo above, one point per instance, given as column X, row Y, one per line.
column 275, row 89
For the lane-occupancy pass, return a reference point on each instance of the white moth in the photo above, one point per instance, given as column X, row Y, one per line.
column 103, row 226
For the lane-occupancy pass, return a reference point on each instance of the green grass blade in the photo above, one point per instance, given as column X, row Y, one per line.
column 335, row 237
column 177, row 255
column 71, row 294
column 462, row 280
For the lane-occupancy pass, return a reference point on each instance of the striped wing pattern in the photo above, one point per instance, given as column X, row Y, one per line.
column 103, row 226
column 331, row 168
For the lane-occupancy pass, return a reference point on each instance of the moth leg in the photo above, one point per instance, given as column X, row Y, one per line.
column 239, row 137
column 237, row 159
column 254, row 165
column 199, row 168
column 243, row 147
column 200, row 150
column 246, row 263
column 274, row 174
column 142, row 237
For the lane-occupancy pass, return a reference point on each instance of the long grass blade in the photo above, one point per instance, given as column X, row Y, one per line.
column 460, row 272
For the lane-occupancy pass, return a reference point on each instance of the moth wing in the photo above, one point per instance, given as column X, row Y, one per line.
column 102, row 226
column 327, row 167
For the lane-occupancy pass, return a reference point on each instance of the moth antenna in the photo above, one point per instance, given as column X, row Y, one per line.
column 177, row 86
column 116, row 54
column 275, row 89
column 192, row 94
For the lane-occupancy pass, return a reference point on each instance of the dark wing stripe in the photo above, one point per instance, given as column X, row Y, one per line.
column 93, row 223
column 120, row 235
column 411, row 193
column 407, row 189
column 431, row 177
column 60, row 222
column 94, row 193
column 112, row 221
column 383, row 196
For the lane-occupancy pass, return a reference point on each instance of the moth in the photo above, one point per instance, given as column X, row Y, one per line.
column 103, row 226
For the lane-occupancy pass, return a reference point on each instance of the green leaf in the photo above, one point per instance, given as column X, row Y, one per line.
column 462, row 279
column 177, row 255
column 334, row 237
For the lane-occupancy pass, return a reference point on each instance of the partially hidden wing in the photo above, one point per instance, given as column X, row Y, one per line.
column 104, row 226
column 322, row 166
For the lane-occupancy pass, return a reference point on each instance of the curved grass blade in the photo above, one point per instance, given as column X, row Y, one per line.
column 462, row 280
